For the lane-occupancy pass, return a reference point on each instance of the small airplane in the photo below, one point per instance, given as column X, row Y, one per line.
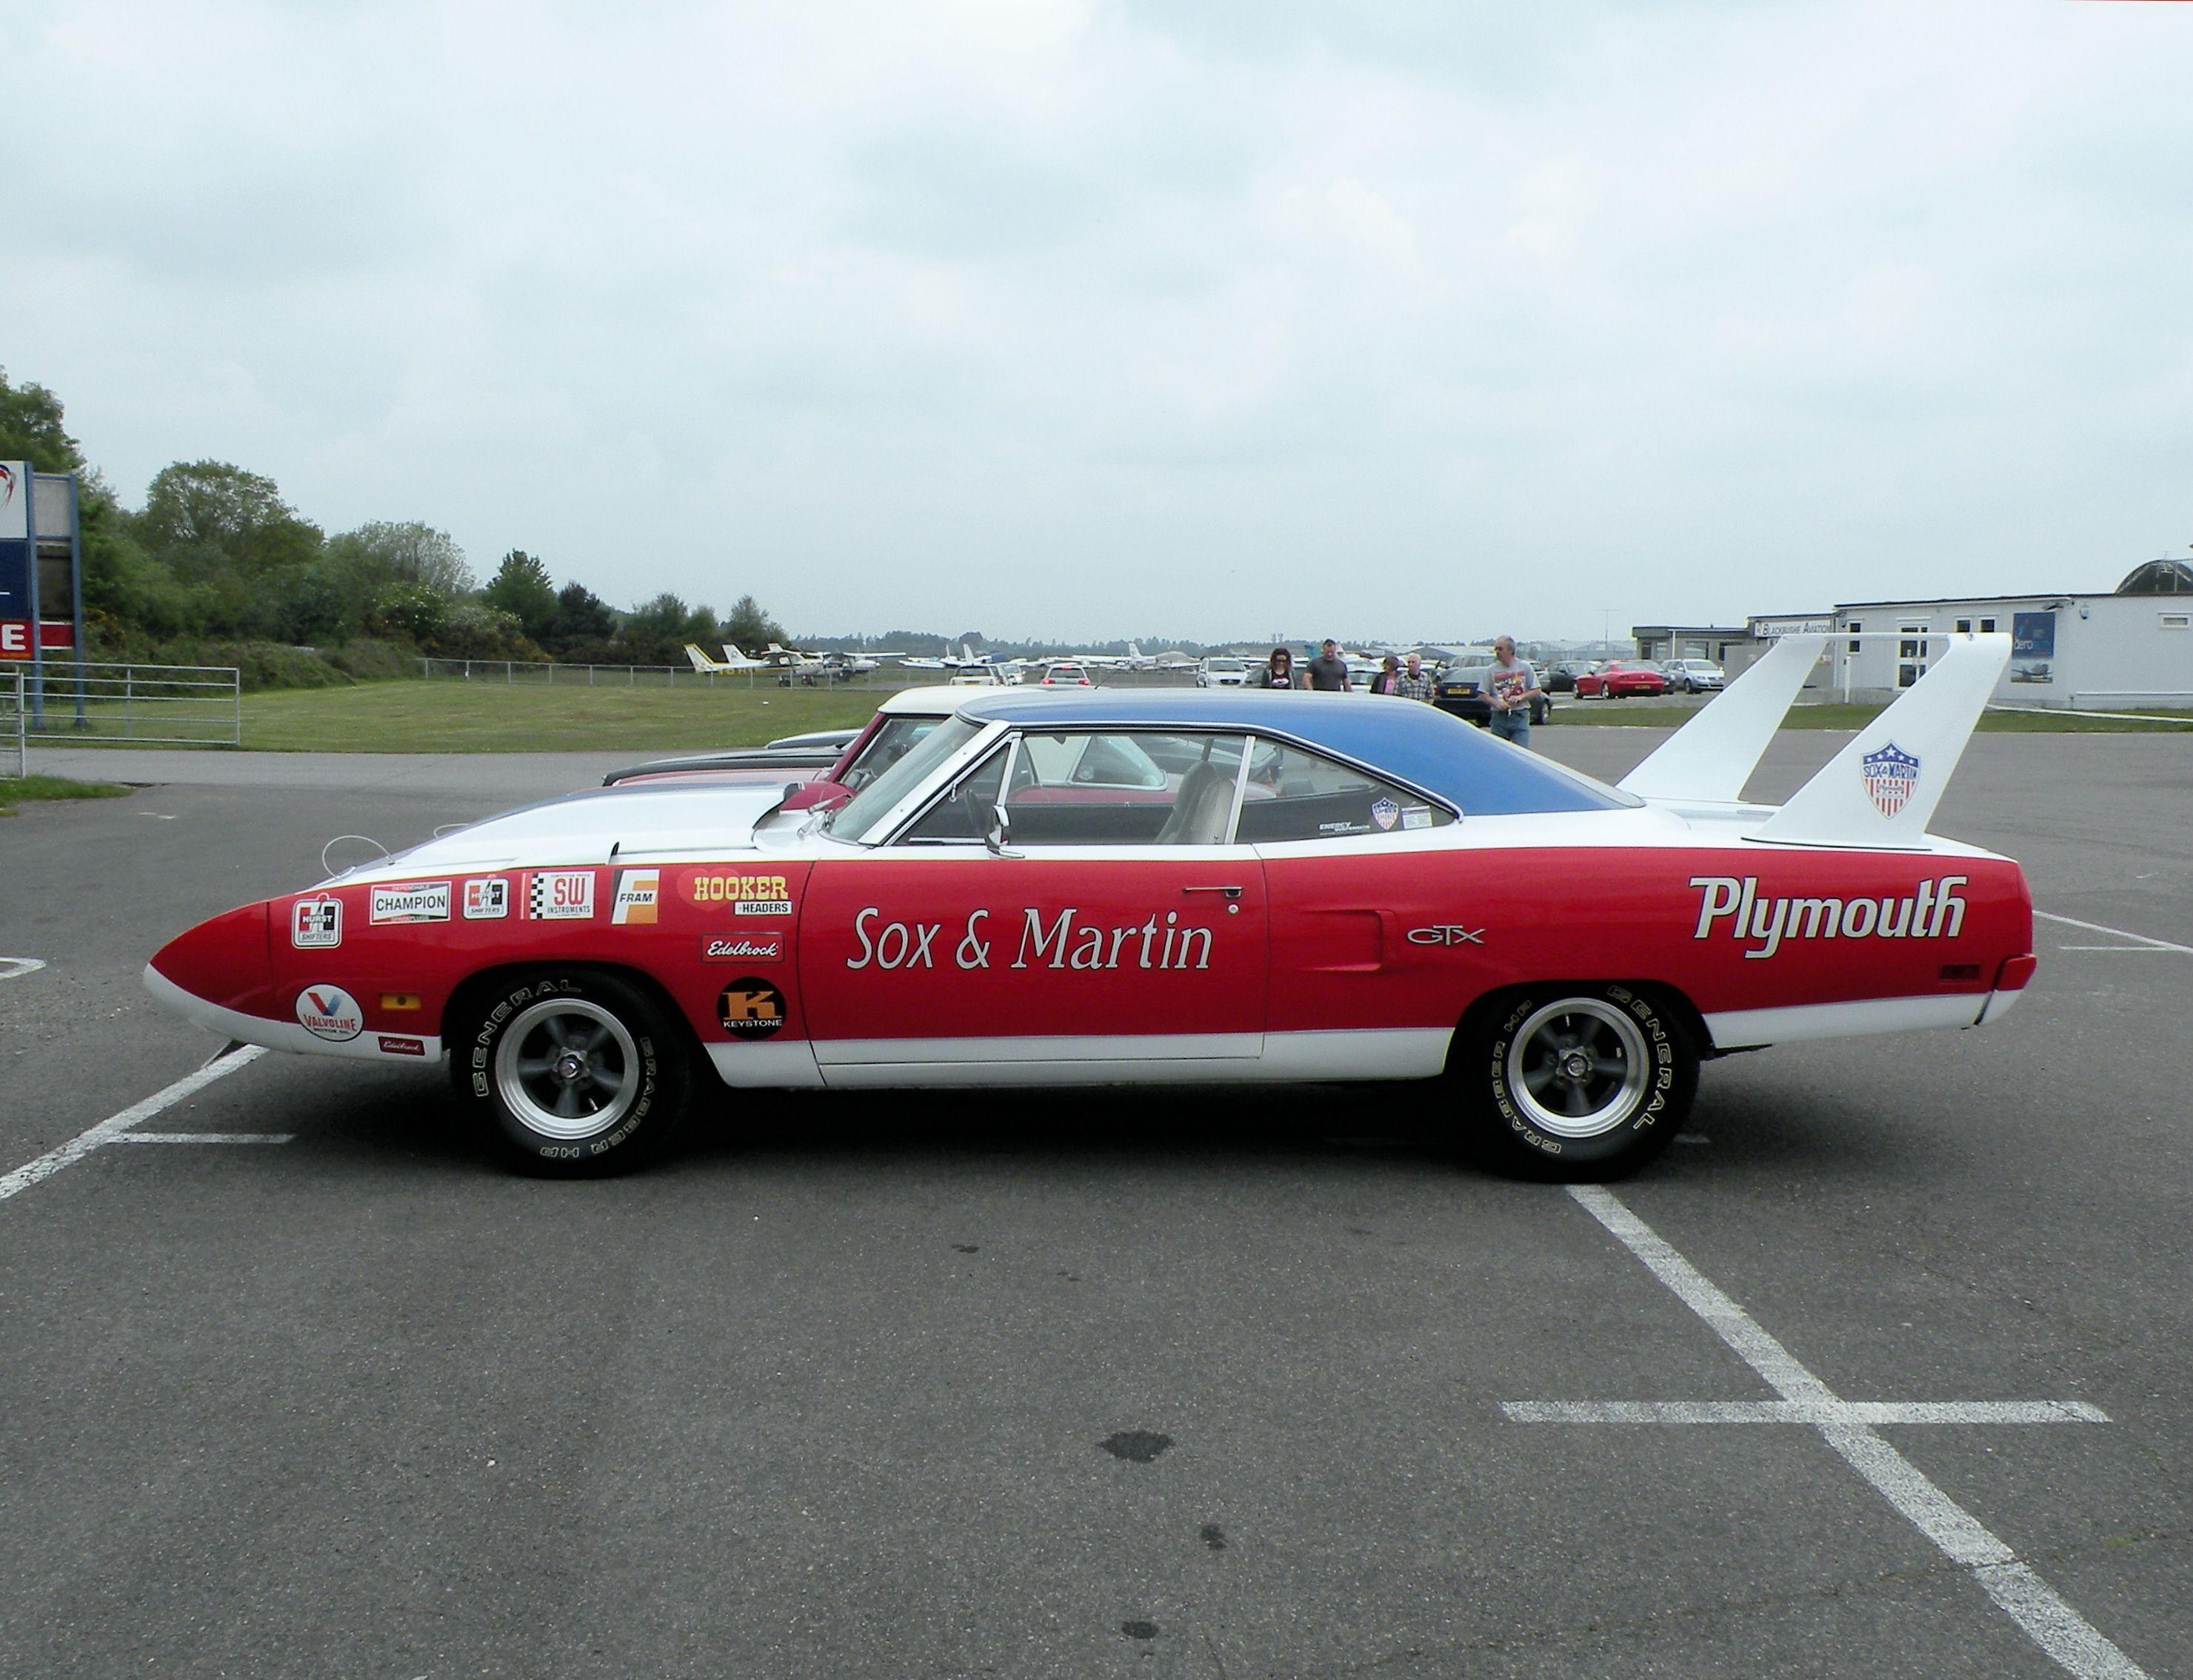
column 733, row 659
column 1005, row 671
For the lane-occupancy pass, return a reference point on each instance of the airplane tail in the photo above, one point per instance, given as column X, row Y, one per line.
column 733, row 656
column 701, row 662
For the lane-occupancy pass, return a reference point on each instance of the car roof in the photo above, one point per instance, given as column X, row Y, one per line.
column 1406, row 739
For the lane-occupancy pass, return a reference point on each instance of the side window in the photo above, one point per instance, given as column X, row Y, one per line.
column 1123, row 788
column 966, row 812
column 1296, row 795
column 889, row 744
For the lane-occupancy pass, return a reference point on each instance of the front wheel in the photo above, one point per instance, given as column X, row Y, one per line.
column 1575, row 1083
column 581, row 1073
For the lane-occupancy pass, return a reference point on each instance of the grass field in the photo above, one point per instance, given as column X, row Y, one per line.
column 22, row 790
column 444, row 717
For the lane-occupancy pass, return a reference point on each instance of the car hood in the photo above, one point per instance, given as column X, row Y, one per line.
column 586, row 828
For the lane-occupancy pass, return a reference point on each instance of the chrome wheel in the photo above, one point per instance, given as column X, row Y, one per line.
column 567, row 1069
column 1577, row 1068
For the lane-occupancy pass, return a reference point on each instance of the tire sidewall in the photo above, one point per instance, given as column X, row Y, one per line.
column 1671, row 1082
column 643, row 1127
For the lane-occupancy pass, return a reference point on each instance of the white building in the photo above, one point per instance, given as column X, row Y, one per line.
column 2131, row 647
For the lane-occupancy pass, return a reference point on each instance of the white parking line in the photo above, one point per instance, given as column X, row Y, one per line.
column 2143, row 943
column 204, row 1137
column 14, row 967
column 107, row 1130
column 2052, row 1624
column 1812, row 1412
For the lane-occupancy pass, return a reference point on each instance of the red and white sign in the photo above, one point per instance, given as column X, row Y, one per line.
column 53, row 635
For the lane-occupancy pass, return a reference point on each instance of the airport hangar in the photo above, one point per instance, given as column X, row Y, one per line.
column 2130, row 648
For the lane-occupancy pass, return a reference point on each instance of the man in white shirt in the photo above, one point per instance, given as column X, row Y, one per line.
column 1510, row 686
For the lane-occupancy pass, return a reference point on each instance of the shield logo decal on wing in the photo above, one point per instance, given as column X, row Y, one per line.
column 1890, row 775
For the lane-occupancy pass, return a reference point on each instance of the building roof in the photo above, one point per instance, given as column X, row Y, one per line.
column 1411, row 742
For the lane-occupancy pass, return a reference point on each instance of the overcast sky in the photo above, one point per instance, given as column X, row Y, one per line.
column 1082, row 321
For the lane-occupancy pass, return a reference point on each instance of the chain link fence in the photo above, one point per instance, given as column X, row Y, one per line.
column 537, row 673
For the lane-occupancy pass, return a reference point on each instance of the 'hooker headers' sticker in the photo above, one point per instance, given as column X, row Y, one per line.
column 746, row 894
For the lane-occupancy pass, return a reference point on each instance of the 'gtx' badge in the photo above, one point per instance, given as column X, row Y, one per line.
column 1446, row 934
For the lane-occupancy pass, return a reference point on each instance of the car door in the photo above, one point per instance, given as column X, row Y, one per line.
column 1372, row 934
column 1117, row 924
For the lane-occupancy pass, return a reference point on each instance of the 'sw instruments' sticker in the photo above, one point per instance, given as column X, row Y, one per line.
column 328, row 1012
column 417, row 901
column 1891, row 774
column 636, row 890
column 560, row 895
column 487, row 899
column 316, row 924
column 750, row 1007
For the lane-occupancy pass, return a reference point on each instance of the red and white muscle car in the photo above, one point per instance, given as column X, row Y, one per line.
column 1165, row 886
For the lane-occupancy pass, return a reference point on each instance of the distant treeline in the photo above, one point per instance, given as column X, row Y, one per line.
column 215, row 559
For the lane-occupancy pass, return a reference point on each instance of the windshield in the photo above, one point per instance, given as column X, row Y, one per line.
column 869, row 806
column 892, row 739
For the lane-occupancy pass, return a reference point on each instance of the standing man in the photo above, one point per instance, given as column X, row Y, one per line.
column 1511, row 685
column 1328, row 671
column 1415, row 682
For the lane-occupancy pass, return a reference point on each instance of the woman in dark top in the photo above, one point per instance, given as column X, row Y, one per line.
column 1389, row 677
column 1278, row 671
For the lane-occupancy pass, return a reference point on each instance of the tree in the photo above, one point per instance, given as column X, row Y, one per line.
column 209, row 505
column 581, row 626
column 31, row 429
column 522, row 587
column 409, row 552
column 405, row 611
column 751, row 627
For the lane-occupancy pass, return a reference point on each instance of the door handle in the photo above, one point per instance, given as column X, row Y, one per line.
column 1230, row 892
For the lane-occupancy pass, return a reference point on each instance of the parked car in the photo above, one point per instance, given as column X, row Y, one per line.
column 1618, row 677
column 1562, row 678
column 1221, row 673
column 1694, row 677
column 1323, row 888
column 1065, row 676
column 810, row 774
column 1461, row 691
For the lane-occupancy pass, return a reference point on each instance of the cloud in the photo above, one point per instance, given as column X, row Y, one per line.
column 1082, row 319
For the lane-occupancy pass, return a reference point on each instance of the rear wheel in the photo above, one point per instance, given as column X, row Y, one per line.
column 581, row 1073
column 1575, row 1083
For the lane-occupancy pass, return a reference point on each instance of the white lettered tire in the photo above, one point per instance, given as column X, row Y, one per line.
column 581, row 1073
column 1576, row 1082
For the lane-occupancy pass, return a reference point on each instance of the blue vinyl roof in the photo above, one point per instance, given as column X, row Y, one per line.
column 1409, row 741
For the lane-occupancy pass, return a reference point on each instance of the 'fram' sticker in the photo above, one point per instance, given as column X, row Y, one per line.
column 636, row 890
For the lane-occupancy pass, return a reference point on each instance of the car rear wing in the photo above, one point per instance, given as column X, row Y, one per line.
column 1880, row 790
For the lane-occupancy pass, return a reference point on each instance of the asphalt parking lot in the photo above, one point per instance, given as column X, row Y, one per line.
column 1883, row 1371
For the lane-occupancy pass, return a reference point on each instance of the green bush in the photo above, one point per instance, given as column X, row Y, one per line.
column 365, row 659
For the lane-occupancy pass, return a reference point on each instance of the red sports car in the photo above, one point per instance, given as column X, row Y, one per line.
column 1618, row 677
column 1168, row 887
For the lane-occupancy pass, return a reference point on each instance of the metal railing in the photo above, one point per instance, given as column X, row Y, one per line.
column 541, row 673
column 11, row 724
column 98, row 703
